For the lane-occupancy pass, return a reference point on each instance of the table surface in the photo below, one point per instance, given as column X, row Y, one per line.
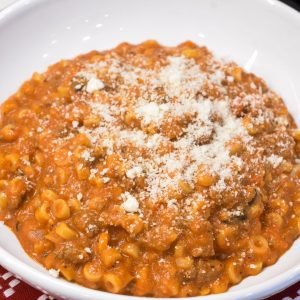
column 13, row 289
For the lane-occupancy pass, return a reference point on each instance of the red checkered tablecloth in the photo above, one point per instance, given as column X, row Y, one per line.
column 12, row 288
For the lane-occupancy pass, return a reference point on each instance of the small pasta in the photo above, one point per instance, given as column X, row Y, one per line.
column 91, row 121
column 42, row 246
column 3, row 201
column 68, row 271
column 205, row 290
column 61, row 209
column 237, row 73
column 132, row 224
column 115, row 166
column 65, row 232
column 220, row 285
column 255, row 210
column 63, row 91
column 91, row 272
column 296, row 134
column 205, row 179
column 74, row 204
column 131, row 249
column 13, row 161
column 274, row 219
column 150, row 171
column 41, row 213
column 224, row 237
column 112, row 282
column 185, row 187
column 102, row 241
column 110, row 256
column 297, row 208
column 48, row 195
column 39, row 158
column 53, row 237
column 9, row 133
column 253, row 268
column 131, row 119
column 280, row 206
column 82, row 140
column 143, row 283
column 233, row 271
column 82, row 172
column 184, row 262
column 62, row 176
column 259, row 245
column 235, row 148
column 179, row 250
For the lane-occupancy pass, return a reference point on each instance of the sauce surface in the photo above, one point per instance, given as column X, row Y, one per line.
column 150, row 171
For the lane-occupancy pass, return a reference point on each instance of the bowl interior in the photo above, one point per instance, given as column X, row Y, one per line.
column 260, row 35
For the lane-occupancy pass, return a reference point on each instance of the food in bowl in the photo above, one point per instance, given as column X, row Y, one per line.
column 150, row 171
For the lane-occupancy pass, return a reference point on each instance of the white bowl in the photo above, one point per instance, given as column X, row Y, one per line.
column 261, row 35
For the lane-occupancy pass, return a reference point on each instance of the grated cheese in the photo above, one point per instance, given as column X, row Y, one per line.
column 174, row 91
column 94, row 84
column 275, row 160
column 54, row 273
column 75, row 124
column 87, row 250
column 134, row 172
column 130, row 203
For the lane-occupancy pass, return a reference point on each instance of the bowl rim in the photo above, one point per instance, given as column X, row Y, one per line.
column 46, row 282
column 55, row 285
